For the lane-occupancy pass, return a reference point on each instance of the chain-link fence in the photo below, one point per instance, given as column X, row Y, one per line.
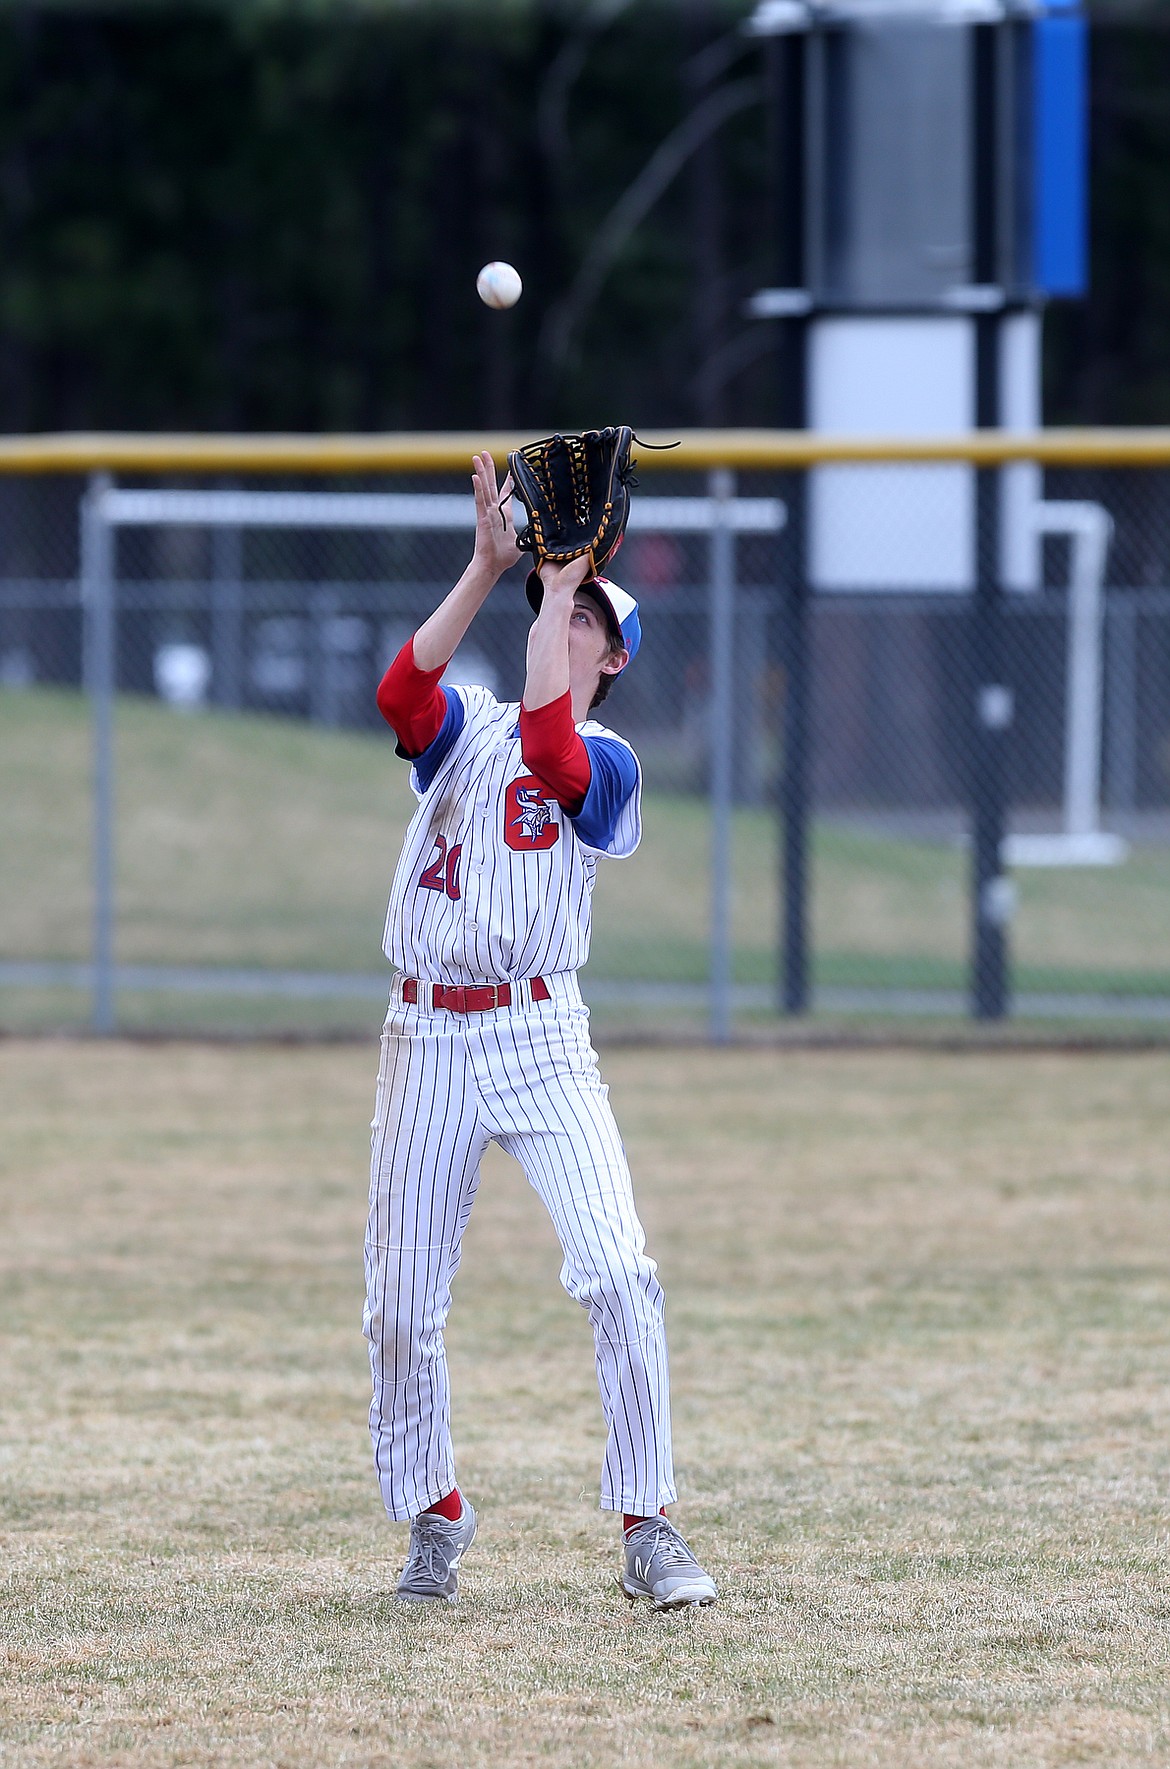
column 845, row 774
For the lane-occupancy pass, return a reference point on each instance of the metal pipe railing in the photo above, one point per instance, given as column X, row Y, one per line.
column 421, row 452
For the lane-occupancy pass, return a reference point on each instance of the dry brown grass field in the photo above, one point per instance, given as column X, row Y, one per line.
column 919, row 1308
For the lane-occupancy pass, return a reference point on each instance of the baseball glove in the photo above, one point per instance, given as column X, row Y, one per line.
column 576, row 490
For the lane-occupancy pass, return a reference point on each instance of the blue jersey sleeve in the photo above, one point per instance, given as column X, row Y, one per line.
column 427, row 765
column 613, row 775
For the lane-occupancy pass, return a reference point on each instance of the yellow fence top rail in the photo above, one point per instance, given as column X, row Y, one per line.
column 451, row 451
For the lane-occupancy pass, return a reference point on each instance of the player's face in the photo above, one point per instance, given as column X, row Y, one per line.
column 590, row 656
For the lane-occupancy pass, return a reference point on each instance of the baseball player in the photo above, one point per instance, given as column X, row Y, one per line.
column 487, row 1038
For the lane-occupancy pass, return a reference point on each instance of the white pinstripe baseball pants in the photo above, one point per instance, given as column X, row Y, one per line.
column 526, row 1077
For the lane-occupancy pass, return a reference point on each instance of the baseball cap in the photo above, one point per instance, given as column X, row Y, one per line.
column 621, row 605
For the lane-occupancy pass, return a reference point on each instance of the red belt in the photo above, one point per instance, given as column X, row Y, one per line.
column 471, row 997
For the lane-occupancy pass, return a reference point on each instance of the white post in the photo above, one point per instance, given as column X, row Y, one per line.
column 1082, row 765
column 1082, row 841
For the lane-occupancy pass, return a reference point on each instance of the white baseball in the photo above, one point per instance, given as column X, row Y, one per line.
column 498, row 284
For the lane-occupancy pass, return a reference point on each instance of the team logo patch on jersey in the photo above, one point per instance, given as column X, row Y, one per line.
column 529, row 824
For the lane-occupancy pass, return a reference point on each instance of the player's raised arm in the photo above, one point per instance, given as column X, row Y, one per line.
column 547, row 675
column 437, row 640
column 409, row 696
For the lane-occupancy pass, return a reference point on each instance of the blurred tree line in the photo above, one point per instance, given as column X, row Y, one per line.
column 1108, row 358
column 266, row 216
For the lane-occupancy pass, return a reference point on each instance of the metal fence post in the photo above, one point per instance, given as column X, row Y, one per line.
column 794, row 779
column 227, row 616
column 100, row 672
column 721, row 489
column 1086, row 642
column 1121, row 703
column 991, row 891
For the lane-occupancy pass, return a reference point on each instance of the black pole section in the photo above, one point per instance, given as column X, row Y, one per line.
column 992, row 708
column 991, row 894
column 785, row 76
column 794, row 781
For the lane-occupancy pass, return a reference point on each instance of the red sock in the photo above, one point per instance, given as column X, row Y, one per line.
column 451, row 1507
column 629, row 1523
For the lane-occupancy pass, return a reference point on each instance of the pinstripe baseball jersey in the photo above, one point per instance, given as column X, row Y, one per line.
column 495, row 878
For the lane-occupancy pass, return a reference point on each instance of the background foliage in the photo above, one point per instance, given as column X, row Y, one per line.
column 264, row 216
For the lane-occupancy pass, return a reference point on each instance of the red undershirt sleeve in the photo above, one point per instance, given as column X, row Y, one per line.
column 555, row 753
column 411, row 702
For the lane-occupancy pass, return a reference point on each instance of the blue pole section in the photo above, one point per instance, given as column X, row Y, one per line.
column 721, row 490
column 97, row 601
column 1060, row 171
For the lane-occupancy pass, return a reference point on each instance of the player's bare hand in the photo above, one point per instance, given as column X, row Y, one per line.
column 562, row 580
column 495, row 534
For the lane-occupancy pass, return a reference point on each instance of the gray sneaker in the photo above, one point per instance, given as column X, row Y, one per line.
column 436, row 1548
column 659, row 1565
